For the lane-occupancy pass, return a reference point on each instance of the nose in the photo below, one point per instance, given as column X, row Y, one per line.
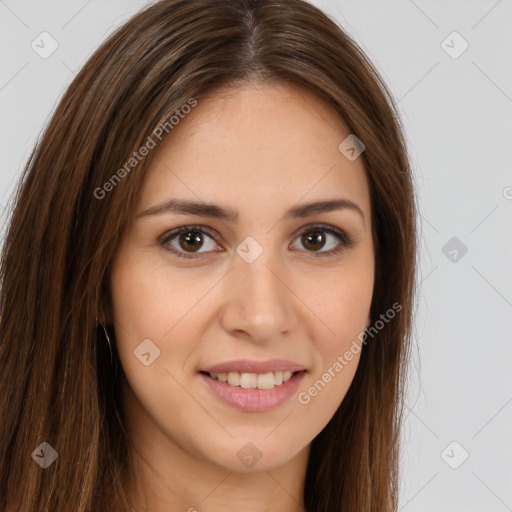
column 259, row 303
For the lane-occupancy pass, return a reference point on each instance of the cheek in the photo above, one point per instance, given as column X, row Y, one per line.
column 340, row 305
column 138, row 310
column 337, row 356
column 137, row 299
column 147, row 299
column 146, row 317
column 152, row 303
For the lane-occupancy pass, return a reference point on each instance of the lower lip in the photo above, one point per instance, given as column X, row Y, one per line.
column 254, row 400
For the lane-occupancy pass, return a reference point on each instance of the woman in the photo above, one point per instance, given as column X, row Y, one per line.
column 208, row 278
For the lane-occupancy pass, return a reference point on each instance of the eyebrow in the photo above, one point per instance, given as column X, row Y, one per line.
column 183, row 206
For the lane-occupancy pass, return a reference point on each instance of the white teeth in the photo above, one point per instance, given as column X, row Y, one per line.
column 253, row 380
column 248, row 380
column 233, row 378
column 266, row 381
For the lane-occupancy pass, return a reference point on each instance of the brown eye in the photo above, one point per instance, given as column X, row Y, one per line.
column 316, row 238
column 187, row 241
column 190, row 240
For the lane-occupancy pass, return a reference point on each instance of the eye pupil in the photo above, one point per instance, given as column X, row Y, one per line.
column 309, row 240
column 189, row 238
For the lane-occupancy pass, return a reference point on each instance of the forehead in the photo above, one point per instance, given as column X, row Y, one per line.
column 259, row 146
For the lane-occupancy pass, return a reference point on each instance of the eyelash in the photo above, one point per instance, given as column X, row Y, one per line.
column 345, row 241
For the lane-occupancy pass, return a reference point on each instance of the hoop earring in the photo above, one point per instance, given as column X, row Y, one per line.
column 108, row 340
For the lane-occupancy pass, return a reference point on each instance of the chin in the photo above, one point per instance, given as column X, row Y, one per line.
column 254, row 454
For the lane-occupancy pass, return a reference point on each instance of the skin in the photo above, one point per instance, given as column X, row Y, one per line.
column 260, row 150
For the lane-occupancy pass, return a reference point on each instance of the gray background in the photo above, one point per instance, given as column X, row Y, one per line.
column 457, row 113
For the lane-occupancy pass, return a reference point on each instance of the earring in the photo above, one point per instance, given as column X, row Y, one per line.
column 108, row 340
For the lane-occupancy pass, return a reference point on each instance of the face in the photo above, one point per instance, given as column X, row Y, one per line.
column 216, row 304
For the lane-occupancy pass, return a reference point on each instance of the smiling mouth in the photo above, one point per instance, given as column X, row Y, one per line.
column 253, row 380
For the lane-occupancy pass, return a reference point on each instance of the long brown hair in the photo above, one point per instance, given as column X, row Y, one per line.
column 56, row 378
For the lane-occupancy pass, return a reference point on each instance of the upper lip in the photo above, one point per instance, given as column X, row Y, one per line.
column 252, row 366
